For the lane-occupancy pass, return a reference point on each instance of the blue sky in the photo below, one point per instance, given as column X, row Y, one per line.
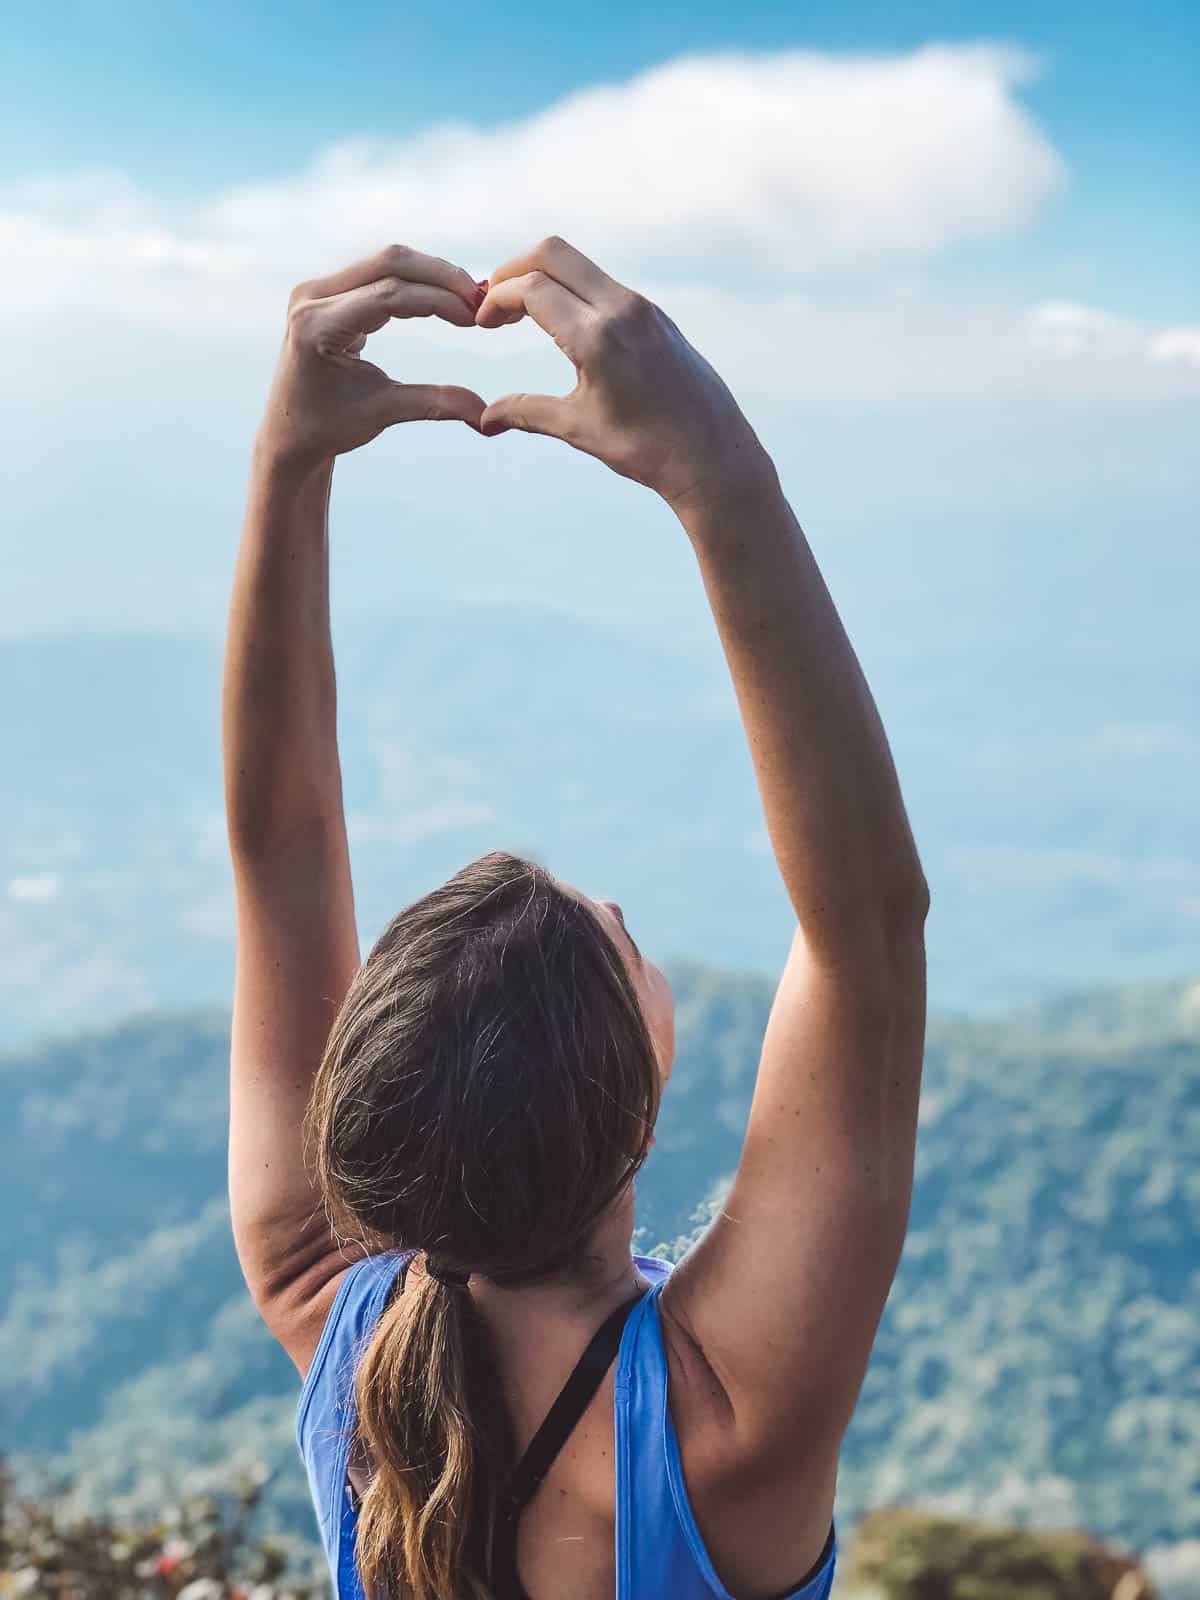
column 944, row 256
column 187, row 98
column 903, row 233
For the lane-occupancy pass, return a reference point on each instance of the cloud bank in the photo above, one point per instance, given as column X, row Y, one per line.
column 783, row 164
column 726, row 185
column 789, row 162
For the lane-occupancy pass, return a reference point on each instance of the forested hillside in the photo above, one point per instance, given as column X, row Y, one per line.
column 1037, row 1359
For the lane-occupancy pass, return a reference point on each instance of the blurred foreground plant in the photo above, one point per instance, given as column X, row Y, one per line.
column 904, row 1554
column 201, row 1548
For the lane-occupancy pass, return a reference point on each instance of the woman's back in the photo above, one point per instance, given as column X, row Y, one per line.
column 644, row 1498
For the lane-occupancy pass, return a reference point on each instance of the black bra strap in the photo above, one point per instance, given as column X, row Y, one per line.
column 566, row 1411
column 562, row 1416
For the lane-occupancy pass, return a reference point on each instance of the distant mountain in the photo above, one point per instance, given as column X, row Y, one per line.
column 1037, row 1360
column 1053, row 804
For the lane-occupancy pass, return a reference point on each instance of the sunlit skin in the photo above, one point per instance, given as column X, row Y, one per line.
column 653, row 989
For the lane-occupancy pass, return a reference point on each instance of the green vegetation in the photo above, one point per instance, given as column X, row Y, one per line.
column 910, row 1555
column 1036, row 1365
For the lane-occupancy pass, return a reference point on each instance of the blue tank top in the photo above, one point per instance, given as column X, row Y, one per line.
column 659, row 1550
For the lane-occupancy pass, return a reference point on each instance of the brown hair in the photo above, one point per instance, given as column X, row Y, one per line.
column 487, row 1092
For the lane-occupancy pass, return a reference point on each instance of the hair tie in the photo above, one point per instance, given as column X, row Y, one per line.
column 451, row 1277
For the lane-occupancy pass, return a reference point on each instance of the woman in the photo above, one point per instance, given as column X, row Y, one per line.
column 432, row 1153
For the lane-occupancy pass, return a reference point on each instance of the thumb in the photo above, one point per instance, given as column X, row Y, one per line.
column 531, row 413
column 429, row 402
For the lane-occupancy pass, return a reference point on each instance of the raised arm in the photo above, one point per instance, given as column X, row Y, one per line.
column 297, row 945
column 784, row 1292
column 807, row 1245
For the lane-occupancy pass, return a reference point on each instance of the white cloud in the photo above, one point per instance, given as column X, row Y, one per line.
column 788, row 163
column 132, row 266
column 880, row 350
column 720, row 184
column 35, row 888
column 795, row 161
column 1068, row 329
column 1181, row 345
column 1065, row 328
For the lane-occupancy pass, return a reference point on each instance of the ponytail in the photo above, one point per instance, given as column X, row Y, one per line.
column 427, row 1398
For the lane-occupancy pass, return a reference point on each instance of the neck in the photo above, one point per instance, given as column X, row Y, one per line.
column 605, row 1276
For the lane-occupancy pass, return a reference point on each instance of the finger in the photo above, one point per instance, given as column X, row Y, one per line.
column 430, row 402
column 568, row 266
column 341, row 322
column 562, row 314
column 396, row 261
column 531, row 413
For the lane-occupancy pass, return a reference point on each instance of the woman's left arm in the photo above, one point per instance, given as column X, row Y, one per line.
column 297, row 944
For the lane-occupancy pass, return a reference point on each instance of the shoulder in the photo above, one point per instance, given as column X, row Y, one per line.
column 336, row 1313
column 763, row 1514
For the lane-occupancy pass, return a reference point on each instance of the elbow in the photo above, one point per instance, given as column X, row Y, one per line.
column 891, row 906
column 903, row 938
column 897, row 927
column 259, row 838
column 907, row 907
column 880, row 931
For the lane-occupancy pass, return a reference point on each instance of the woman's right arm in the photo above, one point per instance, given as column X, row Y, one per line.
column 784, row 1293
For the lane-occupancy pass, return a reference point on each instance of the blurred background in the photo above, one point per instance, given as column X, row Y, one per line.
column 946, row 257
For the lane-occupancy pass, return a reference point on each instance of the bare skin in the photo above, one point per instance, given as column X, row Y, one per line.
column 769, row 1320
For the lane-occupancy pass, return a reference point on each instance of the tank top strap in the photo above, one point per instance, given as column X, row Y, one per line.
column 325, row 1411
column 659, row 1549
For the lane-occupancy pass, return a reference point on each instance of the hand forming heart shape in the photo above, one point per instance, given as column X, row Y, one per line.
column 646, row 402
